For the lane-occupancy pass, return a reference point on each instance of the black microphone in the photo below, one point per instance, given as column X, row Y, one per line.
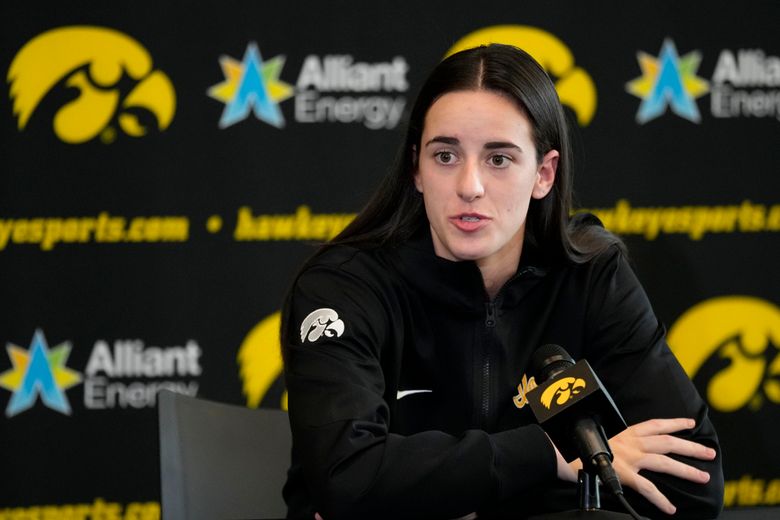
column 575, row 410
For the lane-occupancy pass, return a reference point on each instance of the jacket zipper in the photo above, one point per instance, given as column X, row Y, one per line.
column 490, row 323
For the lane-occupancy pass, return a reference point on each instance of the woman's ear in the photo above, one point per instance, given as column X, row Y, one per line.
column 545, row 175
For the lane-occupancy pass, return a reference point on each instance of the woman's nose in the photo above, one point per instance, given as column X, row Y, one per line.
column 470, row 186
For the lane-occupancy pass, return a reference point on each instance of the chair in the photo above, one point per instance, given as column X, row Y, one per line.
column 221, row 461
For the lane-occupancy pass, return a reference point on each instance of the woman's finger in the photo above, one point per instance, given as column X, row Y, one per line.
column 648, row 490
column 670, row 466
column 665, row 444
column 662, row 426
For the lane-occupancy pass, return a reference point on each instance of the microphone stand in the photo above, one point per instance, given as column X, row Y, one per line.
column 589, row 500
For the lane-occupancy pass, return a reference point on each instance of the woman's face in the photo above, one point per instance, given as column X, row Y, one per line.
column 477, row 172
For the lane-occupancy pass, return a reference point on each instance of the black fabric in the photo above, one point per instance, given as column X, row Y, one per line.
column 413, row 321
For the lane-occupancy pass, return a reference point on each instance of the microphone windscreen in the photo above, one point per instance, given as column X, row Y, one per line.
column 548, row 360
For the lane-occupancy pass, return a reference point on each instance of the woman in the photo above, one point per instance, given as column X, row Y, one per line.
column 407, row 338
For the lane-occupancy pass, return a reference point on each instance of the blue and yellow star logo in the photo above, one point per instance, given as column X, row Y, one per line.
column 38, row 371
column 251, row 85
column 668, row 81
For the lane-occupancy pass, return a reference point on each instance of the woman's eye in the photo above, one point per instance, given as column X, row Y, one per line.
column 445, row 157
column 499, row 160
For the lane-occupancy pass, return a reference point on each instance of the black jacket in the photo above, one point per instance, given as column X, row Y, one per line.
column 406, row 383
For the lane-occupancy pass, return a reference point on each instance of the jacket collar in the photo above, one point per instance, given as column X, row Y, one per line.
column 459, row 285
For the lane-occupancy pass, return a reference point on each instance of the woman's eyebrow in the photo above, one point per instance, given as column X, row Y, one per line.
column 444, row 139
column 492, row 145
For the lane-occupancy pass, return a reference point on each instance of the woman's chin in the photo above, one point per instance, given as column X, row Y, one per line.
column 460, row 249
column 468, row 253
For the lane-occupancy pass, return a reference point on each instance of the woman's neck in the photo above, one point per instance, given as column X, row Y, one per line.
column 499, row 268
column 494, row 280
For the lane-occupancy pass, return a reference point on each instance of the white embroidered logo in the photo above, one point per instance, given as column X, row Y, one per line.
column 322, row 321
column 403, row 393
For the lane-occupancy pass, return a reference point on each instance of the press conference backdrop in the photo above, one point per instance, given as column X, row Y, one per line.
column 167, row 166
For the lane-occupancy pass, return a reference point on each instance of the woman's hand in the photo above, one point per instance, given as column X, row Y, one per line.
column 646, row 446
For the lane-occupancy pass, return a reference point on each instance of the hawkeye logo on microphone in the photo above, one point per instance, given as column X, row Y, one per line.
column 562, row 391
column 567, row 389
column 111, row 73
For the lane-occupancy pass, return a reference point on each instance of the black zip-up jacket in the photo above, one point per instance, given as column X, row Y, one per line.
column 406, row 384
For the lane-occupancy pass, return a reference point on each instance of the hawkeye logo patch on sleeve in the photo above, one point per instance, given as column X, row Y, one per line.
column 321, row 322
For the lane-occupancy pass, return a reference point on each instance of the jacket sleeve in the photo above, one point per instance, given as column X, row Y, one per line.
column 353, row 467
column 628, row 349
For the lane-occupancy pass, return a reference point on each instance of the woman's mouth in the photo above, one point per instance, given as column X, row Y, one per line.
column 469, row 222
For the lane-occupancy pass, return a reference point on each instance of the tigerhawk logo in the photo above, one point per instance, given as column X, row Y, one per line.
column 321, row 322
column 260, row 361
column 564, row 389
column 731, row 344
column 574, row 85
column 260, row 354
column 112, row 73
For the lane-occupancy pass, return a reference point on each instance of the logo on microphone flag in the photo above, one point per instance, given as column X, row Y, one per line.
column 564, row 389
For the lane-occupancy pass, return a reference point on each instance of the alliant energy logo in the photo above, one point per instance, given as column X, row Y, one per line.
column 112, row 73
column 260, row 361
column 668, row 81
column 574, row 85
column 730, row 346
column 329, row 89
column 744, row 83
column 251, row 86
column 125, row 373
column 38, row 372
column 129, row 373
column 337, row 88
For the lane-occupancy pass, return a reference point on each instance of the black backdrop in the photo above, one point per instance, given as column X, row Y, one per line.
column 130, row 262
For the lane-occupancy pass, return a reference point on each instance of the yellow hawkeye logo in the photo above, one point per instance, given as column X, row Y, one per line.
column 564, row 389
column 732, row 343
column 260, row 361
column 92, row 60
column 574, row 85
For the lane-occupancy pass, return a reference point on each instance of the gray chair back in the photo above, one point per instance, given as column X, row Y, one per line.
column 221, row 461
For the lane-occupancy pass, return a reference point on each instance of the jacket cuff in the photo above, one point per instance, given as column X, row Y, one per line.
column 523, row 458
